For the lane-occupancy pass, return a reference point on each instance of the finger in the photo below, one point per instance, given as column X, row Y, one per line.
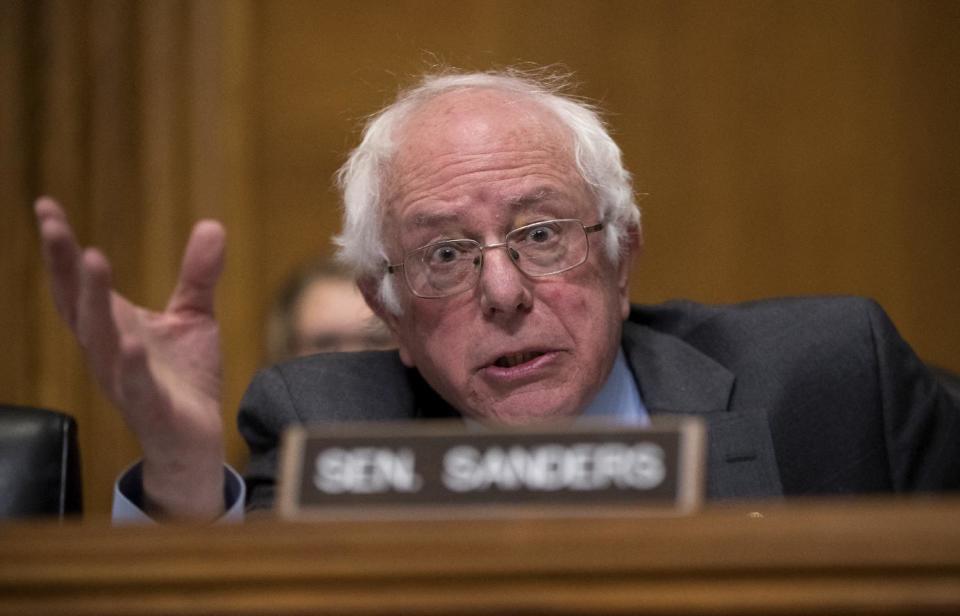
column 200, row 270
column 61, row 254
column 96, row 326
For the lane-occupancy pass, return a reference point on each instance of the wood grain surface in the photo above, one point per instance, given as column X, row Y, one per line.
column 865, row 556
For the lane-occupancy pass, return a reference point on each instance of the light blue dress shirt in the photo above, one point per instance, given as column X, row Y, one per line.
column 618, row 401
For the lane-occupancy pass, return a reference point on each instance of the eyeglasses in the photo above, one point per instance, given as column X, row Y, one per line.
column 442, row 269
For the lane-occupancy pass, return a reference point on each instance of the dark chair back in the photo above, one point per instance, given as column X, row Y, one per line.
column 39, row 463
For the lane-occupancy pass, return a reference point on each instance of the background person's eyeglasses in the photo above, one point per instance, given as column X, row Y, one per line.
column 540, row 249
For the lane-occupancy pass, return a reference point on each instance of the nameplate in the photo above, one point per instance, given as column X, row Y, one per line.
column 440, row 469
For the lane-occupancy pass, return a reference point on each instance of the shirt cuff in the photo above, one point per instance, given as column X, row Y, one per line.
column 128, row 497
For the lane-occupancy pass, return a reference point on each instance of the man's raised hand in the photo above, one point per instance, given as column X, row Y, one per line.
column 162, row 370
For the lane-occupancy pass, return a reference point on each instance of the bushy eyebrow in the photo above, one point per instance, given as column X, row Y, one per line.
column 531, row 199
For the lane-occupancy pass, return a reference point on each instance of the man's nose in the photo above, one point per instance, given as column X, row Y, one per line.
column 504, row 289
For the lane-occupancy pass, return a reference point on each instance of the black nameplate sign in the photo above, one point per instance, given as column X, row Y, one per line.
column 440, row 469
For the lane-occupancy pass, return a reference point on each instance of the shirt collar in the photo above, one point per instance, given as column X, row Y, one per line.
column 619, row 399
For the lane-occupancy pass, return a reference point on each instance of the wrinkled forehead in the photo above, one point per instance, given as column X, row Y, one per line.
column 468, row 132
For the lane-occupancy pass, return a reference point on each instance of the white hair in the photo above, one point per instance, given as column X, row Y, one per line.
column 597, row 157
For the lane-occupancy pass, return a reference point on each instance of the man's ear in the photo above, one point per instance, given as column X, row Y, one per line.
column 634, row 249
column 370, row 289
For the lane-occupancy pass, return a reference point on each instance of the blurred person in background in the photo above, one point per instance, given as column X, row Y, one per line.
column 319, row 309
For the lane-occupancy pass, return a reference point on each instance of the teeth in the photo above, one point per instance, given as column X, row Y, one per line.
column 509, row 361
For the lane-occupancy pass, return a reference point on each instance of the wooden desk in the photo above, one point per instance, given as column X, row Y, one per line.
column 844, row 557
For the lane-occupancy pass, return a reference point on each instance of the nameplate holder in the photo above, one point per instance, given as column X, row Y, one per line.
column 440, row 469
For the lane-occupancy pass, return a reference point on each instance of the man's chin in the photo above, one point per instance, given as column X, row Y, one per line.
column 528, row 410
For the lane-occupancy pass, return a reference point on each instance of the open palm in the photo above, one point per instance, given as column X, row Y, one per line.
column 162, row 370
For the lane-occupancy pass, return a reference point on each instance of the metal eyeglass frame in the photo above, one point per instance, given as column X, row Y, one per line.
column 393, row 268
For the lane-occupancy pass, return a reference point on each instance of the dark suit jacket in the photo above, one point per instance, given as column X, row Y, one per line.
column 800, row 396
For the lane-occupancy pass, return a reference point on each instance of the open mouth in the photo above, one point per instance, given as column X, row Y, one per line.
column 515, row 359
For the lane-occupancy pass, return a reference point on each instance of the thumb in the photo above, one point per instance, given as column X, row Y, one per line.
column 200, row 270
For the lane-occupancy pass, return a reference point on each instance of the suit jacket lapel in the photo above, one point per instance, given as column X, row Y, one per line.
column 675, row 378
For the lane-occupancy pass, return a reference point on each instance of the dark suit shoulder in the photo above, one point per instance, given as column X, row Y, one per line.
column 850, row 406
column 801, row 344
column 369, row 385
column 683, row 318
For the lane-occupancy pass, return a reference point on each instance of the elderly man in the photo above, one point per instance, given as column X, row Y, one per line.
column 492, row 226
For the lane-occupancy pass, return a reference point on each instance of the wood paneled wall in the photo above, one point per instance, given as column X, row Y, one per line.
column 135, row 115
column 787, row 148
